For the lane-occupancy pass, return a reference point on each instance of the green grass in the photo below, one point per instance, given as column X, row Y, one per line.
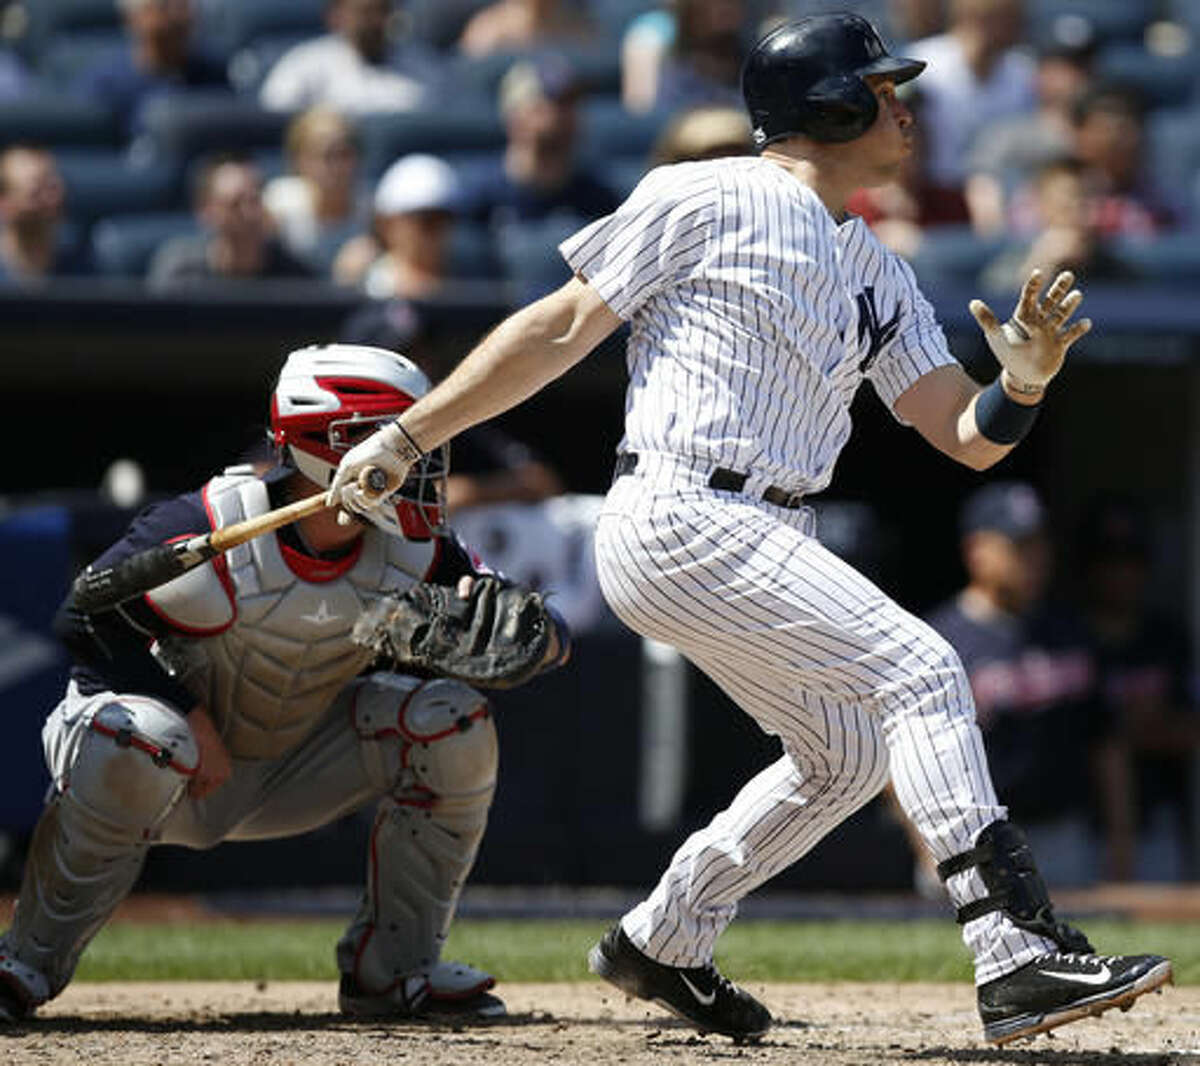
column 556, row 950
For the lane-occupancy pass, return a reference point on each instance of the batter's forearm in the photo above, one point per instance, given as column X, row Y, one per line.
column 978, row 450
column 974, row 449
column 520, row 356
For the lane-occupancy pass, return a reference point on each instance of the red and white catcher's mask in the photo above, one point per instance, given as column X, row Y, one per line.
column 330, row 397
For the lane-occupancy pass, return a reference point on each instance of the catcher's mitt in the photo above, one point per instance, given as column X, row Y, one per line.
column 495, row 638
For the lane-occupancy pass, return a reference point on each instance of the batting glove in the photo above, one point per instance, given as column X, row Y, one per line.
column 355, row 488
column 1032, row 345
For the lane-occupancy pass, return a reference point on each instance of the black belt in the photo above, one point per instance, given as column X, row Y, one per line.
column 721, row 478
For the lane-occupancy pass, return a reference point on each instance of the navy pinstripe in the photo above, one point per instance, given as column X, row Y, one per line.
column 747, row 345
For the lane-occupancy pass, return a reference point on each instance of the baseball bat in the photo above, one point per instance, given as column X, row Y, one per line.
column 100, row 590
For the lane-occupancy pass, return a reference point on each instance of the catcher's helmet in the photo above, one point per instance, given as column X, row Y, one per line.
column 806, row 77
column 329, row 397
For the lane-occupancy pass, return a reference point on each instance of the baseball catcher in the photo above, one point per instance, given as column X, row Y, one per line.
column 234, row 703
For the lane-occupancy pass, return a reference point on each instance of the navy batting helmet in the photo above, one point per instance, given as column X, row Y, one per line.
column 806, row 77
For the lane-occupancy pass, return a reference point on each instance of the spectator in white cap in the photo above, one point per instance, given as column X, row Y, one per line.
column 416, row 201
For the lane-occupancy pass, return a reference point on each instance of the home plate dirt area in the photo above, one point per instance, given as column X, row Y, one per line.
column 285, row 1023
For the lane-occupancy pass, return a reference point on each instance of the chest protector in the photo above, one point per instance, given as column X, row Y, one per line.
column 264, row 644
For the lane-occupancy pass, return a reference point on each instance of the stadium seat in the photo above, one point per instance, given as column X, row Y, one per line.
column 953, row 255
column 607, row 130
column 102, row 182
column 597, row 67
column 529, row 256
column 68, row 55
column 1166, row 81
column 320, row 259
column 249, row 66
column 1170, row 259
column 123, row 247
column 185, row 125
column 270, row 161
column 234, row 24
column 439, row 23
column 1110, row 20
column 386, row 136
column 622, row 173
column 56, row 120
column 1174, row 150
column 1186, row 12
column 50, row 18
column 615, row 15
column 472, row 252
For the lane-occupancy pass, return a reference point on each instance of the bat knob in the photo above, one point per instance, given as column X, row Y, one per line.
column 375, row 481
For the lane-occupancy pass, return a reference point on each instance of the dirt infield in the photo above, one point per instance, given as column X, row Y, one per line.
column 295, row 1024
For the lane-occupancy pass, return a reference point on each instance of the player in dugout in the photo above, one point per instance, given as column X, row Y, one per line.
column 237, row 702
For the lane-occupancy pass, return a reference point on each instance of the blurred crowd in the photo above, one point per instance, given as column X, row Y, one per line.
column 1083, row 685
column 431, row 154
column 408, row 148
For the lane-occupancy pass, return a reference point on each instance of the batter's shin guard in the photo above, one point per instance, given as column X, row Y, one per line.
column 1005, row 862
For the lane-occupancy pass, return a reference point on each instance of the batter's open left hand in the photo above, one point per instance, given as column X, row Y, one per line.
column 1032, row 345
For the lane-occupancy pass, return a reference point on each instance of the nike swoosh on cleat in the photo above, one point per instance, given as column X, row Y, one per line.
column 704, row 1000
column 1098, row 978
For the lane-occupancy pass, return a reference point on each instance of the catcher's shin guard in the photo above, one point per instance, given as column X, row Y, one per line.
column 1005, row 862
column 427, row 829
column 133, row 763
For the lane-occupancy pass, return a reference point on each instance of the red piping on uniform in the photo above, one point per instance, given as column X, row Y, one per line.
column 318, row 571
column 144, row 745
column 222, row 572
column 425, row 802
column 220, row 563
column 379, row 734
column 437, row 558
column 488, row 982
column 373, row 853
column 481, row 711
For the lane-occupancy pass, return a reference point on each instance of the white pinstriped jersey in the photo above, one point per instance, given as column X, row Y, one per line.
column 755, row 317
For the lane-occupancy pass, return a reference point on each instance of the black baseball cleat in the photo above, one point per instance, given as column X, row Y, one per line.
column 13, row 1008
column 698, row 994
column 1061, row 987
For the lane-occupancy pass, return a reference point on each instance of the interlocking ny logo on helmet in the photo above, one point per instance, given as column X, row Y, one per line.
column 806, row 77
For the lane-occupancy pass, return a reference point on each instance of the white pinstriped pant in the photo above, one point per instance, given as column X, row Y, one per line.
column 856, row 688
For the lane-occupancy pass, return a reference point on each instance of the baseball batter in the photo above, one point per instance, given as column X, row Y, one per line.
column 233, row 704
column 757, row 308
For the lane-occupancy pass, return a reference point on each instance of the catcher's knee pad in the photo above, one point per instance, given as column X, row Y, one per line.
column 432, row 743
column 133, row 764
column 1005, row 862
column 133, row 760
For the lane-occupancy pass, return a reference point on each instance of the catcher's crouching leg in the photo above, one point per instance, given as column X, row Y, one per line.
column 132, row 759
column 435, row 744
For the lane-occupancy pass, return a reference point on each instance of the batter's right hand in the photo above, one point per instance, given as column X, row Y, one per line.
column 215, row 765
column 387, row 449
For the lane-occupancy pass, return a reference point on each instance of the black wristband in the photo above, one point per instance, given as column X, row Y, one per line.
column 408, row 437
column 1000, row 418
